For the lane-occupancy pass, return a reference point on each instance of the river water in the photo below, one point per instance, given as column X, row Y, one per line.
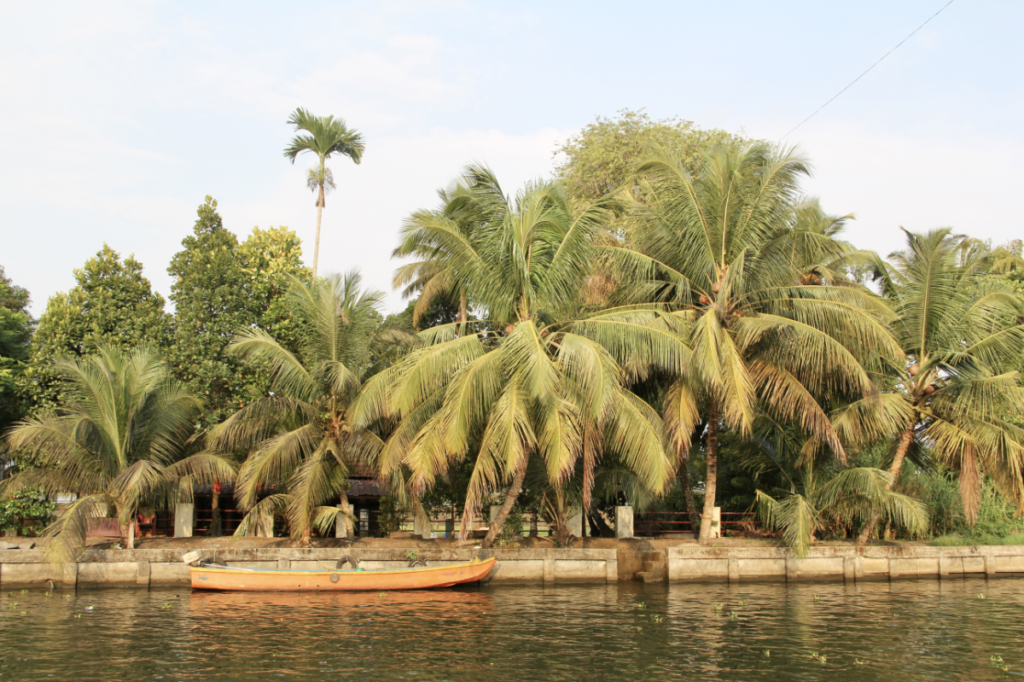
column 904, row 630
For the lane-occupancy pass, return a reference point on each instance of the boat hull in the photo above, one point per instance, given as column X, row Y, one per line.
column 224, row 578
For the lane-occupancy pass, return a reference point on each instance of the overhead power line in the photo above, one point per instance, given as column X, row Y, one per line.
column 866, row 71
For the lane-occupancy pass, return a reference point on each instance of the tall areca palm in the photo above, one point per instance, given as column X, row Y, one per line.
column 300, row 439
column 120, row 444
column 721, row 253
column 326, row 136
column 957, row 390
column 531, row 380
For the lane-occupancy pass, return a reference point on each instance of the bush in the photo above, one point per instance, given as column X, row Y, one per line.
column 996, row 524
column 28, row 512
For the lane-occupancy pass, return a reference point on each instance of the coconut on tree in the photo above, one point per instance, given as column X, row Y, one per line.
column 324, row 136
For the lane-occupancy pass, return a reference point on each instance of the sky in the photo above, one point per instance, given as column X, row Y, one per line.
column 117, row 119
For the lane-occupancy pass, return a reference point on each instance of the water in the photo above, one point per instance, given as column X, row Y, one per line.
column 906, row 630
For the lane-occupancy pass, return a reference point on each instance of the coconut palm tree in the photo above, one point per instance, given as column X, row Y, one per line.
column 424, row 238
column 529, row 380
column 326, row 137
column 720, row 252
column 119, row 444
column 957, row 390
column 300, row 439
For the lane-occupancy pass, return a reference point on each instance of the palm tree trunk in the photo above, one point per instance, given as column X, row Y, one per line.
column 506, row 507
column 711, row 480
column 128, row 534
column 319, row 213
column 897, row 463
column 691, row 503
column 347, row 509
column 463, row 313
column 215, row 522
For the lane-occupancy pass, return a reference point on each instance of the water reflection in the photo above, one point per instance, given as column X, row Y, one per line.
column 902, row 631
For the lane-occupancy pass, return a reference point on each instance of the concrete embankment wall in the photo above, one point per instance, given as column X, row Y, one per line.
column 682, row 563
column 164, row 567
column 733, row 564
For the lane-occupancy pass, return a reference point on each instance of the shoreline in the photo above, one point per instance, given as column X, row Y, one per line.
column 591, row 561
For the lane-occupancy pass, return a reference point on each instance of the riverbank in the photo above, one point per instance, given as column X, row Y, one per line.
column 157, row 561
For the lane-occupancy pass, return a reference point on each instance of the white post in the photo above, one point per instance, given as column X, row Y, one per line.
column 183, row 515
column 421, row 526
column 575, row 524
column 623, row 522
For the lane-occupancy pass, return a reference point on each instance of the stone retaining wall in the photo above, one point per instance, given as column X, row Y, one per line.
column 695, row 563
column 164, row 567
column 561, row 566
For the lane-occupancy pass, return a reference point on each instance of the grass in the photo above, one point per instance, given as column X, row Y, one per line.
column 957, row 540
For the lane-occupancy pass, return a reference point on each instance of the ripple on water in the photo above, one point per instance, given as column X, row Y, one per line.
column 905, row 630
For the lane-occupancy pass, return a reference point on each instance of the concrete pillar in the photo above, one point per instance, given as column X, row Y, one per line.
column 284, row 564
column 623, row 522
column 575, row 524
column 549, row 570
column 716, row 523
column 183, row 516
column 734, row 570
column 990, row 565
column 943, row 567
column 421, row 526
column 343, row 524
column 143, row 575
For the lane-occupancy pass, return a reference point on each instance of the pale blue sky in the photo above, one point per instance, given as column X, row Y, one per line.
column 118, row 119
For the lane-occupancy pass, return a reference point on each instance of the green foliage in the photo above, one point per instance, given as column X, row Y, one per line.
column 222, row 288
column 15, row 335
column 940, row 491
column 267, row 259
column 605, row 155
column 393, row 514
column 28, row 510
column 112, row 304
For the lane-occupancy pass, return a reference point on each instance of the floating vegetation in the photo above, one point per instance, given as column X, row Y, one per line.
column 767, row 653
column 718, row 607
column 733, row 615
column 743, row 602
column 657, row 619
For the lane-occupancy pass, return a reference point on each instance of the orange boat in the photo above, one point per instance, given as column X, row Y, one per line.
column 227, row 578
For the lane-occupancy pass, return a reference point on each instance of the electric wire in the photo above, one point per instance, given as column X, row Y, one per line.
column 866, row 71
